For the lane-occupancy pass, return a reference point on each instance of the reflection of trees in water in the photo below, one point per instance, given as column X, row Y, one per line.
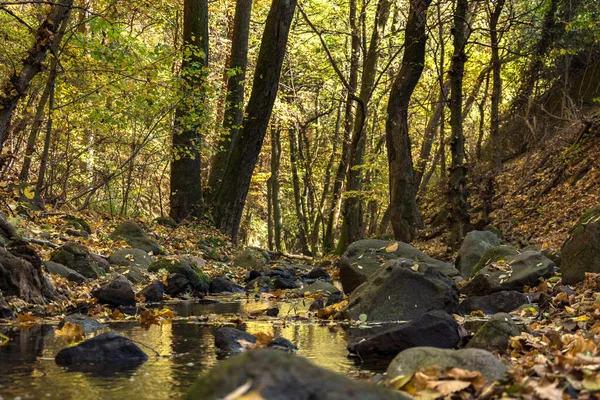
column 23, row 349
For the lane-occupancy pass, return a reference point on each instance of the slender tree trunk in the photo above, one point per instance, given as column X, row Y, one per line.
column 228, row 208
column 15, row 87
column 403, row 205
column 48, row 138
column 338, row 185
column 353, row 226
column 496, row 88
column 457, row 180
column 300, row 208
column 234, row 101
column 186, row 166
column 275, row 191
column 481, row 106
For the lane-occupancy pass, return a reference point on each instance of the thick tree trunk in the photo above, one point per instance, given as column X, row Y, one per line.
column 457, row 180
column 338, row 185
column 354, row 224
column 186, row 166
column 228, row 208
column 234, row 101
column 403, row 205
column 16, row 86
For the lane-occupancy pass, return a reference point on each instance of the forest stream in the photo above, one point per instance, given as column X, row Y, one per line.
column 178, row 351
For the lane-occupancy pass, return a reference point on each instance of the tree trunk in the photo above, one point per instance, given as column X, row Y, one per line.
column 186, row 185
column 457, row 180
column 275, row 192
column 48, row 138
column 234, row 101
column 403, row 205
column 228, row 208
column 496, row 88
column 16, row 86
column 353, row 227
column 300, row 208
column 338, row 185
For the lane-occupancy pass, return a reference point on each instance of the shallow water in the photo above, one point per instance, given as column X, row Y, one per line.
column 185, row 349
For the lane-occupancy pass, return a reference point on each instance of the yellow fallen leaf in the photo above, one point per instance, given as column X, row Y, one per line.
column 392, row 247
column 71, row 332
column 29, row 192
column 3, row 340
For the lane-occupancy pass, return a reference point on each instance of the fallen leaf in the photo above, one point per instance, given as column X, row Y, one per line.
column 71, row 333
column 392, row 247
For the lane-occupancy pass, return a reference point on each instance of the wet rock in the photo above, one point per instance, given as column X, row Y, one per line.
column 252, row 275
column 220, row 284
column 77, row 223
column 272, row 312
column 283, row 344
column 134, row 275
column 280, row 282
column 61, row 270
column 402, row 290
column 177, row 284
column 495, row 334
column 116, row 293
column 89, row 324
column 166, row 221
column 318, row 273
column 101, row 261
column 78, row 258
column 505, row 301
column 495, row 254
column 252, row 258
column 434, row 329
column 472, row 248
column 276, row 375
column 107, row 348
column 581, row 252
column 5, row 310
column 136, row 237
column 153, row 293
column 320, row 287
column 131, row 257
column 198, row 280
column 525, row 269
column 479, row 360
column 228, row 340
column 364, row 257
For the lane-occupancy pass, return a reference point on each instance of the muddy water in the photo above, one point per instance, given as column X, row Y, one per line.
column 177, row 352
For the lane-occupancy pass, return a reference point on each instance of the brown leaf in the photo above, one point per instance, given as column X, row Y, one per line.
column 549, row 391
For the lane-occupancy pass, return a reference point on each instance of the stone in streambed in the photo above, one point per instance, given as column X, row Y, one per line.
column 64, row 271
column 153, row 293
column 230, row 340
column 221, row 284
column 434, row 329
column 131, row 257
column 78, row 258
column 276, row 375
column 472, row 248
column 495, row 334
column 89, row 324
column 116, row 293
column 581, row 252
column 135, row 237
column 107, row 348
column 505, row 301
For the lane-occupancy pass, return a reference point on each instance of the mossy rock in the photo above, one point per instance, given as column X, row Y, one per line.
column 276, row 375
column 136, row 237
column 198, row 279
column 77, row 223
column 78, row 258
column 252, row 259
column 166, row 221
column 495, row 334
column 495, row 254
column 581, row 252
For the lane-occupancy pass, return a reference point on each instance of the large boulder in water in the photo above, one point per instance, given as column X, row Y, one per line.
column 402, row 290
column 276, row 375
column 434, row 329
column 581, row 252
column 135, row 237
column 78, row 258
column 525, row 269
column 107, row 348
column 472, row 248
column 478, row 360
column 364, row 257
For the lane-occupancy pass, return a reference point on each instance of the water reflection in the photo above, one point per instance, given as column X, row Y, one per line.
column 177, row 352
